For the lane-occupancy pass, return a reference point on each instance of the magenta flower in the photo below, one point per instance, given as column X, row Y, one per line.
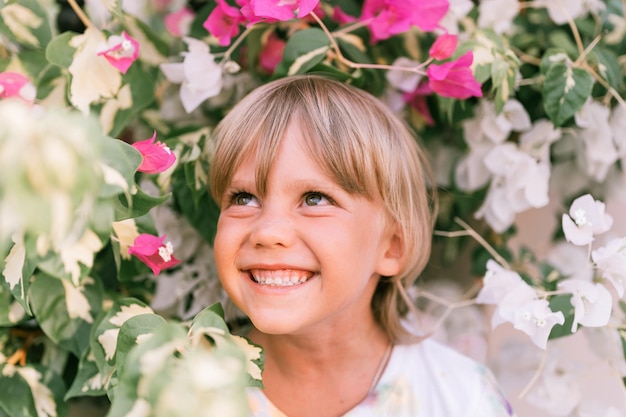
column 178, row 23
column 341, row 17
column 428, row 13
column 391, row 17
column 223, row 22
column 275, row 10
column 120, row 51
column 271, row 53
column 443, row 47
column 417, row 101
column 154, row 252
column 454, row 79
column 13, row 84
column 157, row 157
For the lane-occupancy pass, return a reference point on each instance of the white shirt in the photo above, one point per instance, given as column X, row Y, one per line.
column 425, row 379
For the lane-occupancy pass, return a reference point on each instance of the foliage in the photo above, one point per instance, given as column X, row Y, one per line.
column 520, row 105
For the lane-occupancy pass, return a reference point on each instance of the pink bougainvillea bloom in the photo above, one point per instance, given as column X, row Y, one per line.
column 154, row 252
column 271, row 53
column 428, row 13
column 223, row 22
column 454, row 79
column 443, row 47
column 120, row 51
column 13, row 84
column 387, row 17
column 178, row 23
column 157, row 157
column 417, row 100
column 283, row 9
column 341, row 17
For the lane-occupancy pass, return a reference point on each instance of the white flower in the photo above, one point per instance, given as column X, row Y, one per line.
column 199, row 74
column 611, row 263
column 561, row 11
column 536, row 320
column 497, row 14
column 617, row 122
column 405, row 81
column 458, row 10
column 592, row 302
column 586, row 219
column 497, row 127
column 536, row 141
column 471, row 173
column 600, row 150
column 506, row 289
column 519, row 183
column 570, row 260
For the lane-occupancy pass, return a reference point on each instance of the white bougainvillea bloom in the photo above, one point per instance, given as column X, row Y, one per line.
column 570, row 260
column 471, row 173
column 519, row 183
column 402, row 80
column 586, row 218
column 561, row 11
column 497, row 14
column 457, row 10
column 498, row 127
column 610, row 260
column 617, row 123
column 537, row 320
column 506, row 289
column 591, row 301
column 199, row 75
column 600, row 151
column 537, row 140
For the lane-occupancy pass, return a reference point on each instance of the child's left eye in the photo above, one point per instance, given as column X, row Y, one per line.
column 316, row 199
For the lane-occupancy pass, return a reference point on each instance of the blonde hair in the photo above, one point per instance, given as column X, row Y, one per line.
column 360, row 144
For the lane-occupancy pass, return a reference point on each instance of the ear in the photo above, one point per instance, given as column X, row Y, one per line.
column 391, row 260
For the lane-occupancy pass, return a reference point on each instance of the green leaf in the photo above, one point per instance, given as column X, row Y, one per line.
column 562, row 303
column 196, row 204
column 140, row 204
column 17, row 270
column 565, row 90
column 65, row 313
column 88, row 380
column 11, row 311
column 141, row 90
column 16, row 399
column 608, row 66
column 130, row 332
column 59, row 52
column 303, row 51
column 123, row 158
column 26, row 23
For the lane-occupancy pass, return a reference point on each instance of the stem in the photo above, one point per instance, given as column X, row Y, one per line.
column 535, row 377
column 18, row 357
column 354, row 65
column 471, row 232
column 592, row 45
column 353, row 26
column 79, row 12
column 234, row 45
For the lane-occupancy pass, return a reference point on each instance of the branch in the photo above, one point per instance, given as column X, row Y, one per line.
column 535, row 377
column 79, row 12
column 468, row 231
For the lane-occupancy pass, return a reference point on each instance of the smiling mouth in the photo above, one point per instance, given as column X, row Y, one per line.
column 279, row 278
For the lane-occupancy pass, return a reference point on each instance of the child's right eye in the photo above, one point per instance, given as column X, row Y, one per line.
column 243, row 199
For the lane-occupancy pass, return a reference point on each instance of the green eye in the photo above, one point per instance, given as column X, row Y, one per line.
column 243, row 199
column 314, row 199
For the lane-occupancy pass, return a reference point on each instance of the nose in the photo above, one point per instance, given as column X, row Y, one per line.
column 273, row 228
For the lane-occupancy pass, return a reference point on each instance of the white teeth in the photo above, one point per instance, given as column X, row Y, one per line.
column 279, row 278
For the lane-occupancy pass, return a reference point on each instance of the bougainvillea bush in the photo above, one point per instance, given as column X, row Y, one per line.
column 106, row 224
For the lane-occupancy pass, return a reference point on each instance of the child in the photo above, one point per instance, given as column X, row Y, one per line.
column 325, row 223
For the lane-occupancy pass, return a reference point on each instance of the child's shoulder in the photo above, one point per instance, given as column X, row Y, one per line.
column 431, row 379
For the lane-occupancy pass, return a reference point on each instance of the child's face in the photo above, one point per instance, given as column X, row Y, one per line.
column 308, row 254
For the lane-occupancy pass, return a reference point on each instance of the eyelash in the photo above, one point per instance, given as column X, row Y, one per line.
column 235, row 194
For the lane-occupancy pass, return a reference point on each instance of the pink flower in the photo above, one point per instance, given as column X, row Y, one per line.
column 120, row 51
column 341, row 17
column 272, row 53
column 390, row 17
column 154, row 252
column 177, row 23
column 428, row 13
column 417, row 100
column 283, row 9
column 157, row 157
column 454, row 79
column 223, row 22
column 13, row 84
column 443, row 47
